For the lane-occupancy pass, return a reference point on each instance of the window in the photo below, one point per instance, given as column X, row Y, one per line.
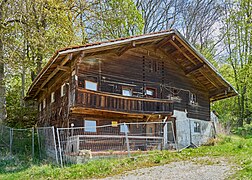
column 124, row 128
column 192, row 98
column 127, row 92
column 196, row 127
column 150, row 92
column 52, row 97
column 63, row 90
column 90, row 126
column 44, row 103
column 91, row 85
column 150, row 129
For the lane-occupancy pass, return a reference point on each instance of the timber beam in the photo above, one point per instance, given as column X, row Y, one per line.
column 126, row 48
column 64, row 68
column 163, row 42
column 102, row 112
column 194, row 68
column 192, row 61
column 190, row 50
column 60, row 67
column 181, row 51
column 66, row 59
column 218, row 92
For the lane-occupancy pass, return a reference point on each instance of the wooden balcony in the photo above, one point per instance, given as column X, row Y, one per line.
column 87, row 101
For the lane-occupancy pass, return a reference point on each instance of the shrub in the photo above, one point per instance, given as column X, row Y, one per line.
column 245, row 131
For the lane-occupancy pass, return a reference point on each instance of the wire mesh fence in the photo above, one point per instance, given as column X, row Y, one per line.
column 47, row 144
column 81, row 144
column 29, row 143
column 5, row 138
column 22, row 142
column 17, row 141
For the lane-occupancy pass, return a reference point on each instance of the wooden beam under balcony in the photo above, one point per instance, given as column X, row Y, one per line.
column 104, row 113
column 115, row 113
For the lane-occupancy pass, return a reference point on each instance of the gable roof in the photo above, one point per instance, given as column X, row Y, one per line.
column 169, row 42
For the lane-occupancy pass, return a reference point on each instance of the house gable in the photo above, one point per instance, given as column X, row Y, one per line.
column 169, row 43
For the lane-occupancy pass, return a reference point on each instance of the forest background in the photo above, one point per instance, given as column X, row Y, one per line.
column 32, row 30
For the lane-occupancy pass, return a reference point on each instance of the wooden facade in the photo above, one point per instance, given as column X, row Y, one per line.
column 140, row 78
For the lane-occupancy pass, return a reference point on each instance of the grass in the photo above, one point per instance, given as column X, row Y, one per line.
column 235, row 150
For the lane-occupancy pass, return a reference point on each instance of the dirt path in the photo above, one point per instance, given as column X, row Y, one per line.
column 197, row 169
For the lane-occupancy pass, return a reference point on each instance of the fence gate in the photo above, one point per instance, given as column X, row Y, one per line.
column 169, row 136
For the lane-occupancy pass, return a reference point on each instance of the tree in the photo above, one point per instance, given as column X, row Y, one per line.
column 238, row 43
column 159, row 14
column 112, row 19
column 35, row 30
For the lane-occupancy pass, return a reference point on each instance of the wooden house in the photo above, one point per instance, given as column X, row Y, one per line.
column 149, row 77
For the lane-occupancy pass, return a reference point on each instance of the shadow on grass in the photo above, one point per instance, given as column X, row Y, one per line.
column 12, row 164
column 15, row 163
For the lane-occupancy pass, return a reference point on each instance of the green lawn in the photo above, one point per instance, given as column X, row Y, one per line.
column 236, row 150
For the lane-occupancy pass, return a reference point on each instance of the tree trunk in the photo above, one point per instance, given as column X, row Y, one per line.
column 2, row 84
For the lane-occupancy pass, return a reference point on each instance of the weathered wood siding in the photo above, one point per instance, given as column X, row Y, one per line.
column 144, row 68
column 138, row 69
column 55, row 113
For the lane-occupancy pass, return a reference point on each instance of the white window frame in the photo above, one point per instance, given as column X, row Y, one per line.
column 124, row 128
column 196, row 127
column 150, row 92
column 128, row 90
column 193, row 98
column 92, row 83
column 52, row 97
column 63, row 90
column 90, row 128
column 44, row 103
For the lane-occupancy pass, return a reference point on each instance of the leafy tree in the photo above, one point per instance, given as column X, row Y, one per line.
column 113, row 19
column 238, row 43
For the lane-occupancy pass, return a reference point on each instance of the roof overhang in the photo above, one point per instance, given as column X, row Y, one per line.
column 191, row 61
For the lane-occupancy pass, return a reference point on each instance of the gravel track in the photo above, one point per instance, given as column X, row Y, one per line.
column 196, row 169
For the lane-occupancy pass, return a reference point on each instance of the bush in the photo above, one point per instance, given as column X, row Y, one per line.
column 245, row 131
column 225, row 139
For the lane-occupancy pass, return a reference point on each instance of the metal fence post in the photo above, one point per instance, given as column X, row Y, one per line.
column 175, row 138
column 127, row 139
column 165, row 135
column 11, row 139
column 33, row 143
column 61, row 161
column 39, row 145
column 55, row 147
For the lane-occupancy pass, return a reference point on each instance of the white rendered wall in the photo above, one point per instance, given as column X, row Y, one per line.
column 185, row 130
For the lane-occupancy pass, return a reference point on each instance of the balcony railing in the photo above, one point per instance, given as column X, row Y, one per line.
column 113, row 102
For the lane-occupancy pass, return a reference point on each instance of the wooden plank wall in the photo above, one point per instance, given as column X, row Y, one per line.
column 55, row 113
column 142, row 68
column 138, row 68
